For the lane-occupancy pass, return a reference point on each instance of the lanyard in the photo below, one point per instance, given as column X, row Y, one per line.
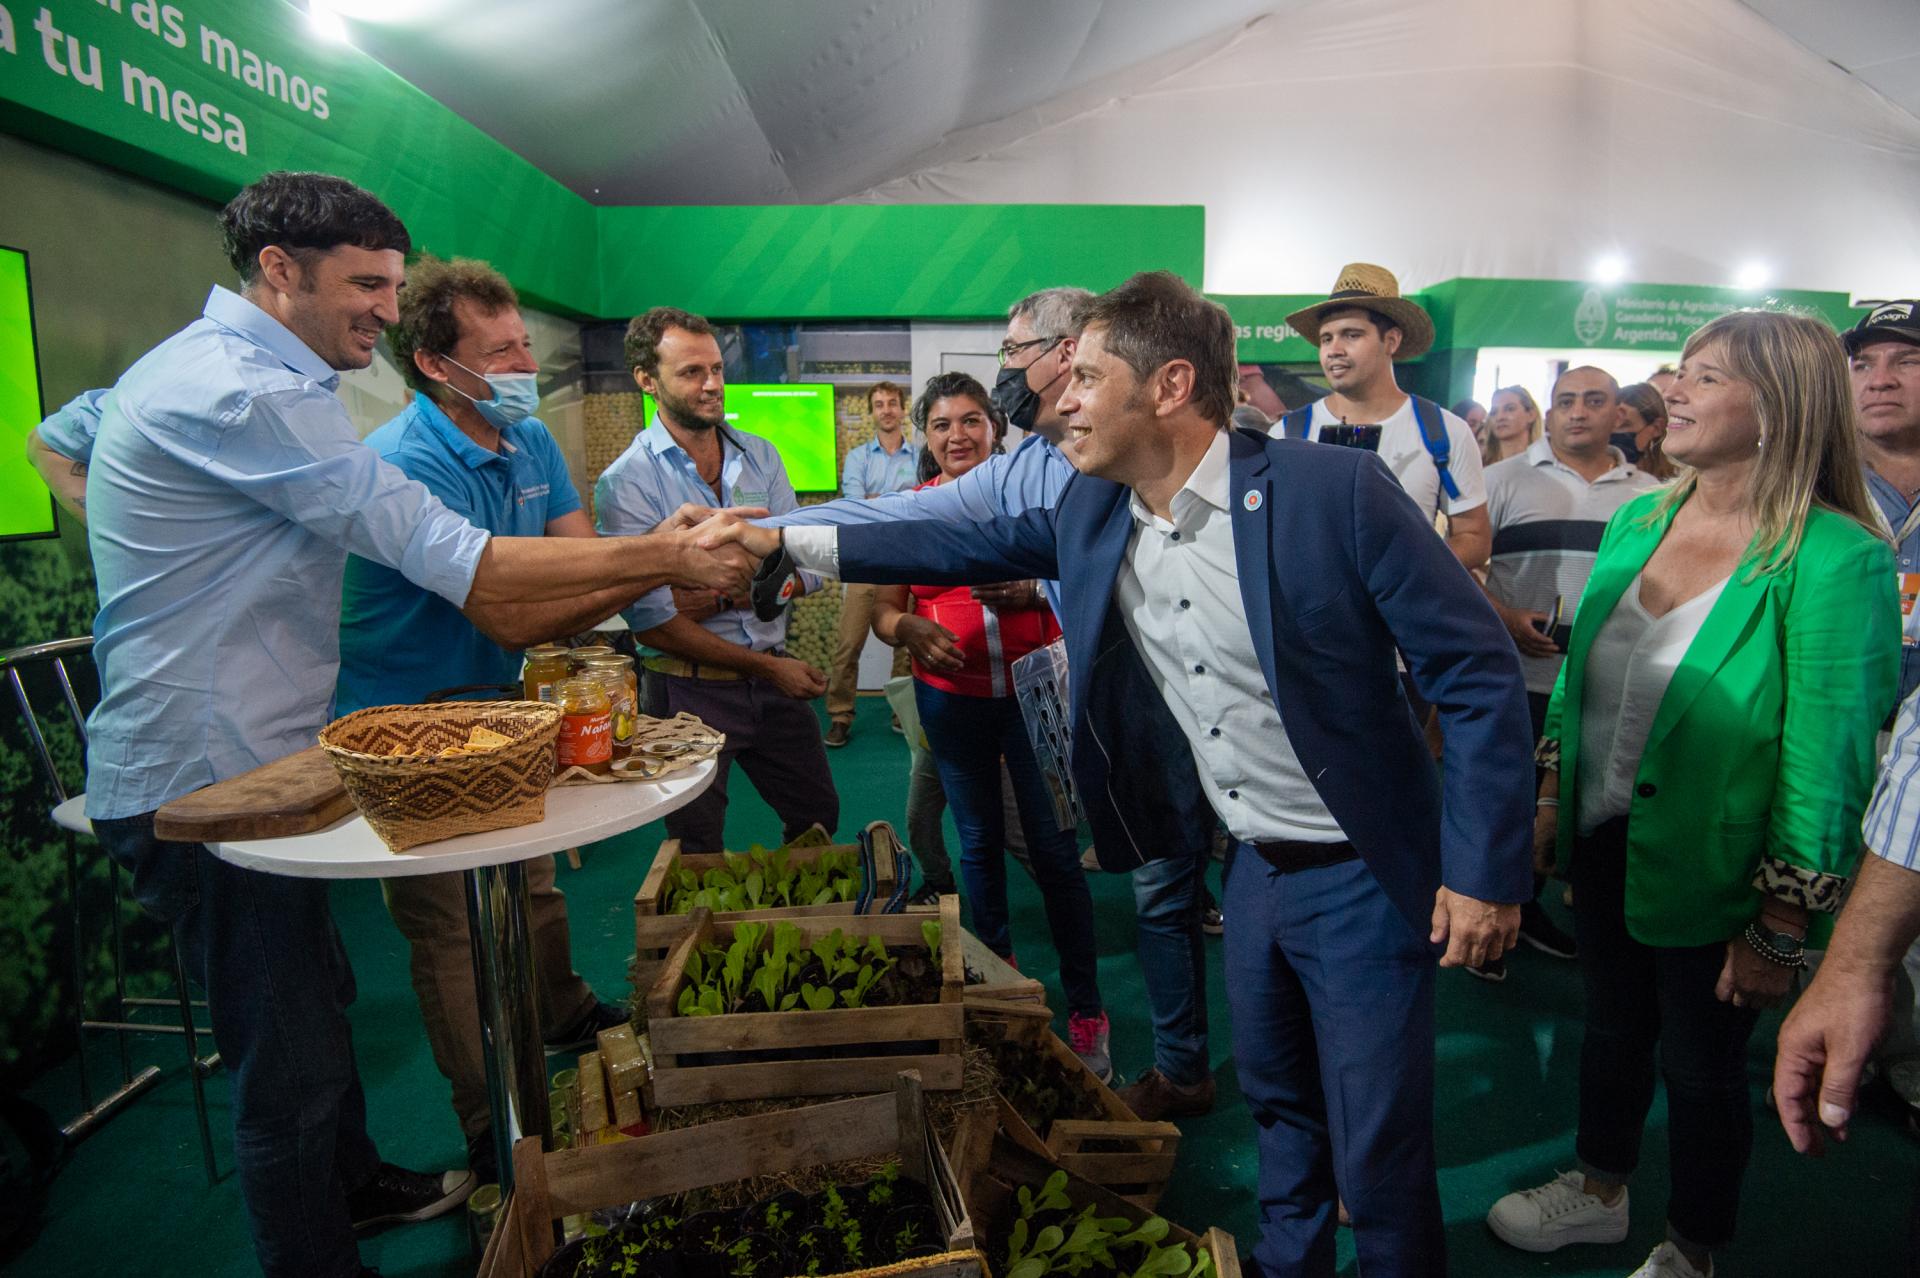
column 1906, row 528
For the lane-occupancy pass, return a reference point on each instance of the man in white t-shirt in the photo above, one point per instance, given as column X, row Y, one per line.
column 1361, row 329
column 1548, row 507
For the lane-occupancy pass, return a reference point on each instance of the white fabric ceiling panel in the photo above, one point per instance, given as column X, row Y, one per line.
column 1487, row 138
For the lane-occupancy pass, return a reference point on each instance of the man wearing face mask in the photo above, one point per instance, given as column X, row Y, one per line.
column 470, row 437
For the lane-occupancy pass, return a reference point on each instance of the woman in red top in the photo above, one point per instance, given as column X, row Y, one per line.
column 964, row 641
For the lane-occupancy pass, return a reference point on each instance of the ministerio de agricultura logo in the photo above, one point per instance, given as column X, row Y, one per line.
column 1590, row 318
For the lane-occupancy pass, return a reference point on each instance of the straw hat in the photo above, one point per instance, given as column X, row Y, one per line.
column 1375, row 289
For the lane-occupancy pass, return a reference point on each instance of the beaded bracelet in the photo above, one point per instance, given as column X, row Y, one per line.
column 1757, row 939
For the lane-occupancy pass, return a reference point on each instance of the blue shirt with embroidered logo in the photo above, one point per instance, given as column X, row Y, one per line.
column 655, row 477
column 871, row 471
column 398, row 642
column 227, row 485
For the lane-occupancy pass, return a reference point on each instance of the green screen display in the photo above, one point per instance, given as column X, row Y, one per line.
column 797, row 420
column 26, row 507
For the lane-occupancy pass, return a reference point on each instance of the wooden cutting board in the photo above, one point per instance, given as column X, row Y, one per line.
column 295, row 795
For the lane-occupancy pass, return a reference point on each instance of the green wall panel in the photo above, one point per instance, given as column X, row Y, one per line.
column 928, row 261
column 458, row 190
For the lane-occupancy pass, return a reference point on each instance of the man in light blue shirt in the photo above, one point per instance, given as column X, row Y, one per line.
column 718, row 662
column 887, row 463
column 469, row 436
column 225, row 487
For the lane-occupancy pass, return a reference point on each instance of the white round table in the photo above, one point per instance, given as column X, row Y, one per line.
column 494, row 866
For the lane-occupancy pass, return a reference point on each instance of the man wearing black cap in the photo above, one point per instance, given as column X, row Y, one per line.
column 1884, row 352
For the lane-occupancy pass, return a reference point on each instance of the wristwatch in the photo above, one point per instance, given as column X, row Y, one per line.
column 1785, row 942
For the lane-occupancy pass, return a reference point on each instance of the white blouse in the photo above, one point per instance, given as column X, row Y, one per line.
column 1629, row 666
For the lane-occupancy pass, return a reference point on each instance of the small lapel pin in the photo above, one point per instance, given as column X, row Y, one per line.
column 1252, row 500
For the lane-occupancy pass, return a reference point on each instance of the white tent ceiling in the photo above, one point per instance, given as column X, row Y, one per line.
column 1442, row 137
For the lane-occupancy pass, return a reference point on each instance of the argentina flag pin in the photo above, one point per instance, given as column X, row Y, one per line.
column 1252, row 500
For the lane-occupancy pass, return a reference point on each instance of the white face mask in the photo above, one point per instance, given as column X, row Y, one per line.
column 515, row 395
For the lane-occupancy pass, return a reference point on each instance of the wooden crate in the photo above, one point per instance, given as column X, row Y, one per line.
column 1131, row 1158
column 654, row 932
column 928, row 1037
column 998, row 979
column 551, row 1186
column 990, row 1168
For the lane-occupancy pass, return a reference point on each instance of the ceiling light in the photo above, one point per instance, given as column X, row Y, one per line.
column 326, row 22
column 1752, row 275
column 1610, row 269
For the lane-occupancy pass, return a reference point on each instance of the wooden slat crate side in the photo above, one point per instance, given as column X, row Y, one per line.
column 750, row 1031
column 703, row 1084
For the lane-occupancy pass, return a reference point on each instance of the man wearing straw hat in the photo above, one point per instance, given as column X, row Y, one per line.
column 1362, row 328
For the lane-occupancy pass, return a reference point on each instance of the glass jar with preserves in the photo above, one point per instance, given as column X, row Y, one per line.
column 547, row 667
column 586, row 725
column 589, row 652
column 623, row 687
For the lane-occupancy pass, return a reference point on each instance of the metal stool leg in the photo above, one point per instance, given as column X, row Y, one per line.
column 119, row 968
column 197, row 1068
column 91, row 1113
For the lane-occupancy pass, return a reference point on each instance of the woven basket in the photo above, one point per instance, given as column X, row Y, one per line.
column 420, row 797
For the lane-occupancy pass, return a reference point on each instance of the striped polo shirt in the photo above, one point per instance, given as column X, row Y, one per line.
column 1547, row 520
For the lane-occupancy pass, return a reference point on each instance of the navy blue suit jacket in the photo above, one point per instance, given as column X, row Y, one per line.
column 1337, row 570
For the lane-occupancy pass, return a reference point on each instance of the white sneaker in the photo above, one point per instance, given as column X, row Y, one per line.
column 1557, row 1213
column 1667, row 1261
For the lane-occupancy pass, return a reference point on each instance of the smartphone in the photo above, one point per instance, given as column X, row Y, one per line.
column 1550, row 625
column 1344, row 436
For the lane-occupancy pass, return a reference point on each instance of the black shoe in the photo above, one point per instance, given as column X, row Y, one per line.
column 483, row 1160
column 396, row 1196
column 582, row 1034
column 927, row 894
column 1212, row 922
column 1494, row 970
column 1543, row 934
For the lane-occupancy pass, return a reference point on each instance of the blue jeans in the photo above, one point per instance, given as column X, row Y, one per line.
column 1168, row 898
column 1332, row 999
column 278, row 984
column 969, row 736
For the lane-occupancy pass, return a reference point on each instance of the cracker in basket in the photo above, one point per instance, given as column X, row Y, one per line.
column 479, row 741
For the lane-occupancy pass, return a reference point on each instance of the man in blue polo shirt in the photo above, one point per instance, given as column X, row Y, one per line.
column 470, row 438
column 721, row 663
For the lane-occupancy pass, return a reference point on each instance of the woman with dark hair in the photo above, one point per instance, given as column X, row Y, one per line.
column 1643, row 424
column 1709, row 749
column 964, row 641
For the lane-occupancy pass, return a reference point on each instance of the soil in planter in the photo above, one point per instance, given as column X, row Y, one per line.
column 1039, row 1086
column 622, row 1253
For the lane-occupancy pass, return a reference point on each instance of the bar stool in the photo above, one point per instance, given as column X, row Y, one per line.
column 48, row 662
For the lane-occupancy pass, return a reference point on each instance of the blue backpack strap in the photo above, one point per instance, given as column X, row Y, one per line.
column 1433, row 433
column 1296, row 424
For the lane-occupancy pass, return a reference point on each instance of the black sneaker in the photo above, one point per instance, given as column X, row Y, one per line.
column 927, row 895
column 583, row 1033
column 1543, row 934
column 1211, row 920
column 396, row 1196
column 1494, row 970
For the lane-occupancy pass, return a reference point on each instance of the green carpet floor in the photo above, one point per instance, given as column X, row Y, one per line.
column 133, row 1199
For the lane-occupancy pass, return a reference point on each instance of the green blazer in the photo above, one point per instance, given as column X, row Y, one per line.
column 1761, row 757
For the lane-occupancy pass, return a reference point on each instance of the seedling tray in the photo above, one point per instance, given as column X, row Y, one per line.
column 655, row 932
column 768, row 1055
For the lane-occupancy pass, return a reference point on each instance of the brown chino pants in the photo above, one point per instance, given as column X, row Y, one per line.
column 431, row 912
column 856, row 622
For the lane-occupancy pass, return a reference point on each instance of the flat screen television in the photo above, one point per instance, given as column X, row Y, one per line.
column 26, row 507
column 797, row 419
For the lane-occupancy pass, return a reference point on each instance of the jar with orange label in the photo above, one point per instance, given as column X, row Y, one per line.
column 586, row 725
column 623, row 686
column 547, row 667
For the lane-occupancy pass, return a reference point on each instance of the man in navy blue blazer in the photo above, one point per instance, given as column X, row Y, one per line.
column 1232, row 606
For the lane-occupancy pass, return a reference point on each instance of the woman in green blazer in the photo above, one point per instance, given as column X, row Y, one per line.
column 1710, row 747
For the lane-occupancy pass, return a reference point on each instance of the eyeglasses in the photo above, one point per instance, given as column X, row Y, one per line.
column 1009, row 349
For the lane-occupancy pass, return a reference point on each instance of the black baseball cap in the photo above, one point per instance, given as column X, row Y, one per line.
column 1887, row 322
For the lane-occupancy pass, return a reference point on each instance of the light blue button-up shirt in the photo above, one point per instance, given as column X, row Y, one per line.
column 72, row 426
column 871, row 469
column 655, row 477
column 1030, row 477
column 227, row 485
column 399, row 642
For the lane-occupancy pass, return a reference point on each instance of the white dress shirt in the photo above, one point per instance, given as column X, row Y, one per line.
column 1178, row 591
